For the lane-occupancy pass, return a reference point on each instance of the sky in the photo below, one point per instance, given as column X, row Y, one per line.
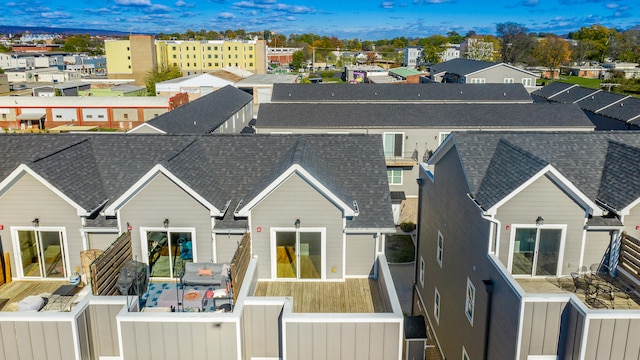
column 345, row 19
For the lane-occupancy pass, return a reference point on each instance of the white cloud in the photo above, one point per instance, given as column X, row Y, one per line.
column 133, row 2
column 226, row 16
column 387, row 4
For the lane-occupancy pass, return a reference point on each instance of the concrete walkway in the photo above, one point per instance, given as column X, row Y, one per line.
column 403, row 275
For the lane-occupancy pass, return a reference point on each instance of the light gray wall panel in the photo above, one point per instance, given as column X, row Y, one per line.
column 260, row 326
column 103, row 330
column 595, row 248
column 28, row 199
column 301, row 201
column 83, row 336
column 163, row 199
column 630, row 221
column 8, row 350
column 101, row 240
column 36, row 340
column 226, row 246
column 535, row 201
column 358, row 247
column 499, row 73
column 632, row 346
column 541, row 328
column 613, row 339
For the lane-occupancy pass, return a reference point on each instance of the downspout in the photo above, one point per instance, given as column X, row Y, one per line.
column 416, row 266
column 488, row 286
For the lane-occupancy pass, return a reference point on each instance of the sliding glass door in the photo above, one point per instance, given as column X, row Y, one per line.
column 41, row 254
column 168, row 251
column 298, row 253
column 536, row 251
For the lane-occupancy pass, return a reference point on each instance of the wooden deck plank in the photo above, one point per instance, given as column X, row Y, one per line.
column 18, row 290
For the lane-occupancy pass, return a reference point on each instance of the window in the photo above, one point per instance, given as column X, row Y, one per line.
column 128, row 57
column 478, row 80
column 89, row 116
column 250, row 64
column 215, row 48
column 41, row 252
column 394, row 176
column 57, row 116
column 209, row 64
column 421, row 271
column 440, row 245
column 168, row 250
column 208, row 47
column 187, row 56
column 128, row 48
column 393, row 144
column 508, row 80
column 442, row 137
column 250, row 56
column 436, row 306
column 215, row 56
column 174, row 56
column 173, row 48
column 100, row 116
column 470, row 301
column 235, row 48
column 126, row 116
column 129, row 66
column 209, row 56
column 250, row 47
column 526, row 82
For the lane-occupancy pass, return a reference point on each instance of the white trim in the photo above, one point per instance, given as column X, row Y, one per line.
column 421, row 270
column 384, row 135
column 471, row 301
column 465, row 356
column 437, row 303
column 565, row 90
column 584, row 240
column 295, row 168
column 439, row 249
column 440, row 138
column 562, row 182
column 17, row 252
column 144, row 243
column 323, row 249
column 370, row 231
column 391, row 176
column 538, row 228
column 143, row 125
column 147, row 179
column 503, row 64
column 627, row 209
column 16, row 175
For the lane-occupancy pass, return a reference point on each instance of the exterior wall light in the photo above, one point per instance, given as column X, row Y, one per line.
column 539, row 221
column 166, row 223
column 35, row 222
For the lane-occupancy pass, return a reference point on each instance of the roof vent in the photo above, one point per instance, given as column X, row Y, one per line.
column 289, row 95
column 621, row 104
column 331, row 94
column 375, row 93
column 418, row 94
column 504, row 94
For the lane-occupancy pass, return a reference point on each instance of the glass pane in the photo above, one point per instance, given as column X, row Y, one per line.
column 286, row 254
column 548, row 251
column 523, row 250
column 29, row 253
column 389, row 144
column 159, row 260
column 182, row 251
column 52, row 253
column 310, row 255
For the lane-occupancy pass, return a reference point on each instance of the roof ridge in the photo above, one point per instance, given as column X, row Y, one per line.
column 299, row 150
column 179, row 149
column 37, row 158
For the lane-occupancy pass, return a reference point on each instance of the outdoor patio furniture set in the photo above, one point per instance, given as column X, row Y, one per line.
column 599, row 288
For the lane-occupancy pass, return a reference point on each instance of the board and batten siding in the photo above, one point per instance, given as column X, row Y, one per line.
column 614, row 339
column 342, row 340
column 295, row 199
column 361, row 255
column 544, row 198
column 178, row 340
column 32, row 339
column 261, row 331
column 103, row 330
column 162, row 199
column 27, row 199
column 541, row 325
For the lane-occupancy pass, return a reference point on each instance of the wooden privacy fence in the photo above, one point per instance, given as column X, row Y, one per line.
column 630, row 255
column 239, row 264
column 105, row 269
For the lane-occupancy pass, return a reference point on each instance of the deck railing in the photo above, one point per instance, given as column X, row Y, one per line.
column 239, row 264
column 630, row 256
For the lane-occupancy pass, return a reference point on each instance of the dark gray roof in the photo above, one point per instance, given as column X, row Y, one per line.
column 282, row 115
column 203, row 115
column 602, row 165
column 94, row 169
column 599, row 100
column 405, row 93
column 461, row 66
column 573, row 94
column 552, row 89
column 626, row 110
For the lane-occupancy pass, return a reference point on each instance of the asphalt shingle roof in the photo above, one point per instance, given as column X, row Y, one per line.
column 461, row 66
column 552, row 89
column 297, row 115
column 405, row 93
column 573, row 94
column 602, row 165
column 599, row 100
column 91, row 169
column 626, row 110
column 203, row 115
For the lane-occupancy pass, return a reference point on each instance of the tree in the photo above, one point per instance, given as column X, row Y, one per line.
column 454, row 38
column 515, row 44
column 158, row 74
column 552, row 52
column 298, row 61
column 433, row 47
column 597, row 39
column 630, row 45
column 484, row 48
column 83, row 43
column 4, row 49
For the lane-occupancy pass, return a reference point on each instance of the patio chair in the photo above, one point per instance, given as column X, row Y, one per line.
column 580, row 284
column 594, row 302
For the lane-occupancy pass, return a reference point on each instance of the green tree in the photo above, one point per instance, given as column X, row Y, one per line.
column 454, row 38
column 83, row 43
column 157, row 75
column 630, row 45
column 516, row 45
column 598, row 40
column 552, row 52
column 433, row 47
column 4, row 49
column 298, row 61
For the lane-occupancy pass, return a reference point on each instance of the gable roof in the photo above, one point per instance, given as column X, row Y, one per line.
column 405, row 93
column 304, row 116
column 203, row 115
column 594, row 165
column 193, row 81
column 466, row 67
column 96, row 171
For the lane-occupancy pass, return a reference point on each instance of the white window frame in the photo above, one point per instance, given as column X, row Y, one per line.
column 384, row 144
column 512, row 242
column 422, row 266
column 437, row 300
column 391, row 176
column 18, row 257
column 509, row 80
column 145, row 243
column 323, row 248
column 440, row 247
column 470, row 301
column 465, row 356
column 442, row 136
column 478, row 80
column 527, row 82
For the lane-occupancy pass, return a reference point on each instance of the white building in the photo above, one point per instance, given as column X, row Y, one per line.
column 412, row 56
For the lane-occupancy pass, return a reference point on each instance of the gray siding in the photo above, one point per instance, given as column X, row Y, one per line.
column 499, row 73
column 596, row 247
column 541, row 328
column 103, row 330
column 630, row 221
column 163, row 199
column 179, row 340
column 101, row 240
column 226, row 246
column 571, row 332
column 302, row 202
column 445, row 207
column 261, row 330
column 34, row 340
column 544, row 198
column 613, row 339
column 311, row 341
column 361, row 255
column 17, row 206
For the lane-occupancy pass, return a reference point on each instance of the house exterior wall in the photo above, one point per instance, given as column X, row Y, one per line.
column 541, row 326
column 612, row 339
column 596, row 247
column 149, row 114
column 261, row 331
column 162, row 199
column 64, row 114
column 446, row 208
column 535, row 201
column 631, row 221
column 117, row 52
column 226, row 246
column 305, row 203
column 95, row 115
column 29, row 340
column 100, row 240
column 27, row 199
column 361, row 255
column 103, row 330
column 499, row 74
column 237, row 121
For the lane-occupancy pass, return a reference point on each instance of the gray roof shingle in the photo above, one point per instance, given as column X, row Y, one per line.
column 461, row 66
column 552, row 89
column 573, row 94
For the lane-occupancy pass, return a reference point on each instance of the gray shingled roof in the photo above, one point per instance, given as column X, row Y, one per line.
column 573, row 94
column 461, row 66
column 552, row 89
column 599, row 100
column 203, row 115
column 627, row 110
column 283, row 115
column 405, row 93
column 90, row 168
column 595, row 162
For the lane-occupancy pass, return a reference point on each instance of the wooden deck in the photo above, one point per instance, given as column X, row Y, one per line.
column 15, row 291
column 350, row 296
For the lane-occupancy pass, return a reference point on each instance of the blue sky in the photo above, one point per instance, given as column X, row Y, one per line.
column 362, row 19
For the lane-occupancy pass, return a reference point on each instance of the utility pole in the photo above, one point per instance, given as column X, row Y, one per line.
column 313, row 58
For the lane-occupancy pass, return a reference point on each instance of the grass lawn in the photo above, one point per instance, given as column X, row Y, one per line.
column 586, row 82
column 400, row 249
